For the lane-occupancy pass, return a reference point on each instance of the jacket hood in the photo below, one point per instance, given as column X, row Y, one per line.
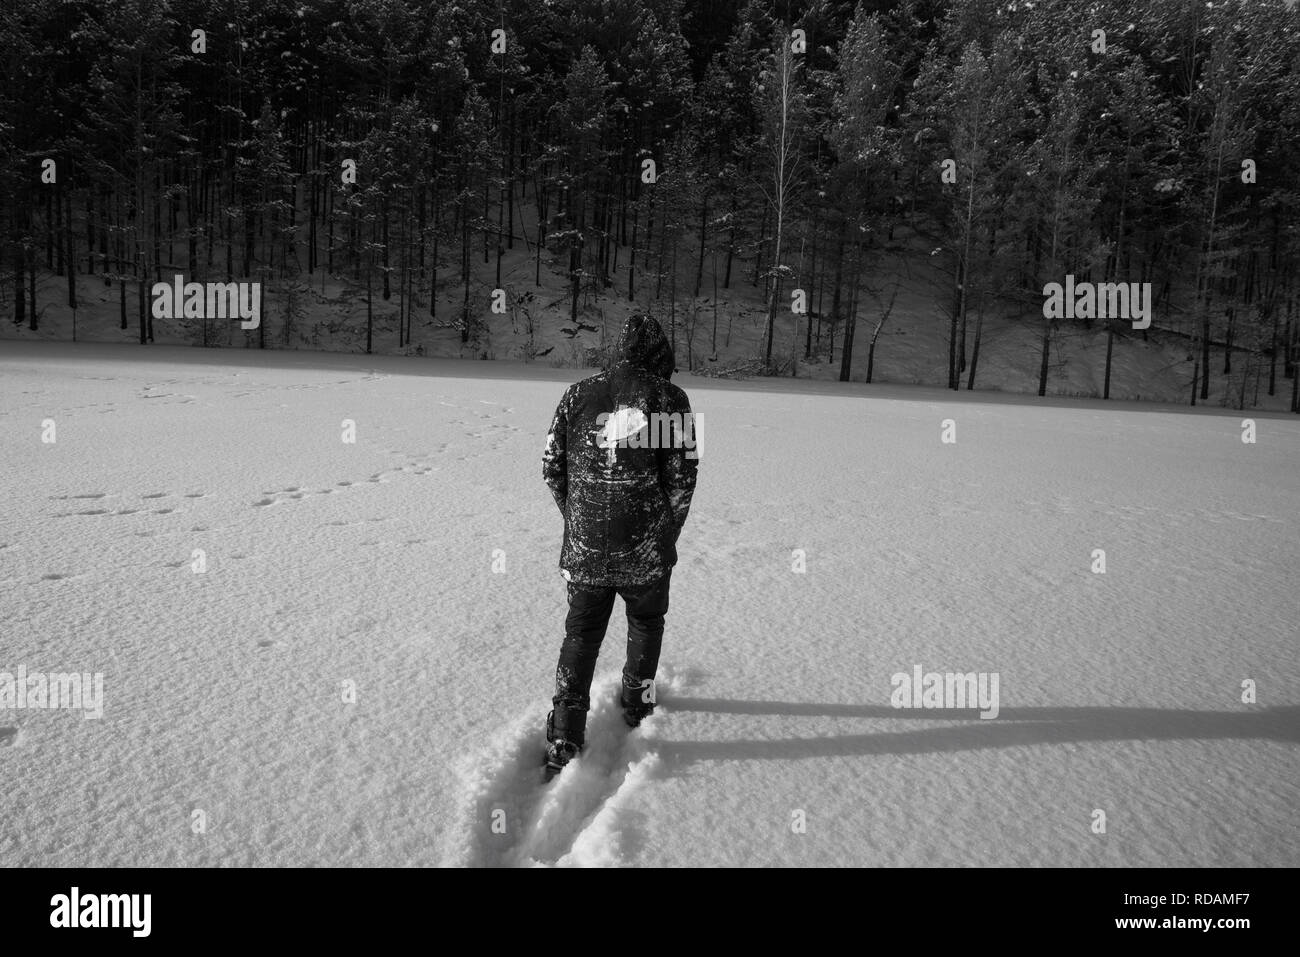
column 643, row 345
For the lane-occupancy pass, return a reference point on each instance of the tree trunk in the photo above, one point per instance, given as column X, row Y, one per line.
column 1047, row 348
column 731, row 247
column 631, row 257
column 875, row 336
column 714, row 352
column 57, row 232
column 90, row 231
column 20, row 275
column 383, row 212
column 1295, row 386
column 31, row 288
column 704, row 227
column 1205, row 353
column 540, row 195
column 851, row 320
column 835, row 294
column 1227, row 344
column 49, row 230
column 71, row 257
column 370, row 302
column 433, row 260
column 140, row 311
column 1110, row 347
column 510, row 188
column 1272, row 351
column 975, row 349
column 958, row 297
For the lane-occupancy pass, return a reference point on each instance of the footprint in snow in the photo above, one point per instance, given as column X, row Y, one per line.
column 516, row 819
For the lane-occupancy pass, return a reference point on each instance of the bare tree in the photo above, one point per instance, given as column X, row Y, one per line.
column 783, row 106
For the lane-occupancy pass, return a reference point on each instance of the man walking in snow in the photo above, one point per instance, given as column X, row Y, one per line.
column 618, row 464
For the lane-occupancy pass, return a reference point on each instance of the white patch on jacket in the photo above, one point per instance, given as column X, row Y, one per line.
column 625, row 422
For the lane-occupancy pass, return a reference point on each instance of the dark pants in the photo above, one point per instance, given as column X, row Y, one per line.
column 584, row 629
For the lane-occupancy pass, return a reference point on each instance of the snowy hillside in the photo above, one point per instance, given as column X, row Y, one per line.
column 328, row 313
column 349, row 681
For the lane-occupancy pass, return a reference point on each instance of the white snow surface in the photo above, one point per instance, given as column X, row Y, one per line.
column 417, row 565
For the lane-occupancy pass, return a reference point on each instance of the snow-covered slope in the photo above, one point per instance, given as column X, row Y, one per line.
column 334, row 567
column 329, row 314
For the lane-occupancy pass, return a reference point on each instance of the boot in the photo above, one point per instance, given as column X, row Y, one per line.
column 559, row 754
column 635, row 706
column 560, row 750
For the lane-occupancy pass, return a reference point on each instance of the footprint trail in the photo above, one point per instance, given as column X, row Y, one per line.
column 513, row 819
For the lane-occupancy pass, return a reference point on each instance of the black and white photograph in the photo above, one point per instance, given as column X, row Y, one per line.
column 650, row 434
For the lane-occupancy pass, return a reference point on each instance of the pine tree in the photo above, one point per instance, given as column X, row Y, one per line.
column 134, row 125
column 581, row 119
column 863, row 144
column 965, row 115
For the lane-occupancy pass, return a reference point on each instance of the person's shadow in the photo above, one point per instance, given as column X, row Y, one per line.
column 1011, row 728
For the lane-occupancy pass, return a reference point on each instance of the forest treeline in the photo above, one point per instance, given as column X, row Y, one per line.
column 627, row 143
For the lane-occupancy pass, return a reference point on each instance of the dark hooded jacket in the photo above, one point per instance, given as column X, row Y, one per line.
column 620, row 465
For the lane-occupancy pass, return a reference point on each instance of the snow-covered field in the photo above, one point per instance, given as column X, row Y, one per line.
column 415, row 567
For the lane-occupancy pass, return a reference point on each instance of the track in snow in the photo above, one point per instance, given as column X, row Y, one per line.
column 583, row 818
